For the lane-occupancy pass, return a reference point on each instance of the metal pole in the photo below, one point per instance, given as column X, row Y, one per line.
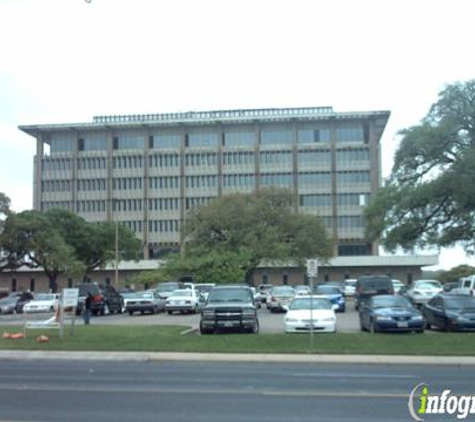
column 116, row 278
column 311, row 314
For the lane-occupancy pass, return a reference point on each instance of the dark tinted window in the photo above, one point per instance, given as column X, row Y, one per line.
column 460, row 302
column 85, row 288
column 230, row 295
column 389, row 301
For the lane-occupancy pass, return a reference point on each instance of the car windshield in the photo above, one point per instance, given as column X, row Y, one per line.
column 304, row 303
column 181, row 293
column 230, row 295
column 302, row 288
column 390, row 302
column 327, row 290
column 350, row 283
column 283, row 291
column 88, row 288
column 461, row 303
column 44, row 296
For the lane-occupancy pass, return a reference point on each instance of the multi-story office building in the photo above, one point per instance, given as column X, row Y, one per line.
column 147, row 171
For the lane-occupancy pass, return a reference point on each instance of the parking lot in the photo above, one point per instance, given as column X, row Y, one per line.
column 347, row 322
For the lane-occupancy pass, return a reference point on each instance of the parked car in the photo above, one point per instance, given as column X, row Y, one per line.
column 126, row 296
column 182, row 300
column 148, row 301
column 450, row 312
column 398, row 285
column 421, row 291
column 302, row 290
column 229, row 308
column 390, row 313
column 333, row 294
column 349, row 287
column 264, row 290
column 257, row 297
column 371, row 285
column 280, row 298
column 305, row 312
column 466, row 285
column 14, row 302
column 339, row 284
column 42, row 302
column 203, row 289
column 166, row 289
column 450, row 286
column 105, row 299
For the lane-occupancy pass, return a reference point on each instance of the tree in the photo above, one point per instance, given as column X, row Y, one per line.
column 31, row 239
column 6, row 261
column 60, row 242
column 429, row 198
column 227, row 239
column 454, row 274
column 94, row 243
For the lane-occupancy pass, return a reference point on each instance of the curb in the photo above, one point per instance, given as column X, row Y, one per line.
column 16, row 355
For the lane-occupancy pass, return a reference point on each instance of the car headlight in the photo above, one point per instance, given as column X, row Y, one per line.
column 291, row 320
column 248, row 313
column 417, row 317
column 383, row 318
column 208, row 313
column 461, row 318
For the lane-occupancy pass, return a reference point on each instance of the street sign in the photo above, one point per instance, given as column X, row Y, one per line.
column 312, row 267
column 70, row 298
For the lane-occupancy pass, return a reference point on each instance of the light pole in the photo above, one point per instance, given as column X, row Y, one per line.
column 312, row 271
column 116, row 272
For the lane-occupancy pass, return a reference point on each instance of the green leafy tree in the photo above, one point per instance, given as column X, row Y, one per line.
column 228, row 238
column 94, row 243
column 6, row 260
column 457, row 272
column 61, row 242
column 32, row 240
column 429, row 198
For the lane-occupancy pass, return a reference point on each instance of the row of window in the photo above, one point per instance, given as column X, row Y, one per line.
column 56, row 186
column 164, row 226
column 98, row 141
column 91, row 206
column 127, row 205
column 208, row 159
column 91, row 184
column 210, row 181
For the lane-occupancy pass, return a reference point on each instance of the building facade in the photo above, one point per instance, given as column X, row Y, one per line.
column 147, row 171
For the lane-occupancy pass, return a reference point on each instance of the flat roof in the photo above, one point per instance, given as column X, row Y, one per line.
column 134, row 121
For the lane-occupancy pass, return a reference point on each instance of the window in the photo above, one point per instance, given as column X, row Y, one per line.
column 314, row 178
column 350, row 133
column 202, row 139
column 239, row 138
column 277, row 179
column 314, row 157
column 272, row 137
column 310, row 136
column 166, row 141
column 93, row 142
column 352, row 177
column 315, row 200
column 130, row 142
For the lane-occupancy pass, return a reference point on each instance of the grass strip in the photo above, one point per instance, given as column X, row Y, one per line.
column 168, row 338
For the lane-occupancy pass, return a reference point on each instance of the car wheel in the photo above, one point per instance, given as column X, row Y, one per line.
column 131, row 313
column 428, row 326
column 447, row 326
column 51, row 309
column 169, row 312
column 255, row 328
column 121, row 308
column 205, row 330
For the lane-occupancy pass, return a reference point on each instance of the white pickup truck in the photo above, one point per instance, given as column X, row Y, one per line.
column 466, row 286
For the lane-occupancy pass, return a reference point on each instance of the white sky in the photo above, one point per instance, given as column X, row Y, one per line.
column 64, row 61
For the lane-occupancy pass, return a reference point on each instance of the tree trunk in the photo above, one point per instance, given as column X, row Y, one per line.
column 53, row 285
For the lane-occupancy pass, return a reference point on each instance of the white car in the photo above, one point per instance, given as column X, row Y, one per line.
column 203, row 289
column 303, row 312
column 182, row 300
column 302, row 290
column 42, row 302
column 422, row 291
column 349, row 287
column 398, row 285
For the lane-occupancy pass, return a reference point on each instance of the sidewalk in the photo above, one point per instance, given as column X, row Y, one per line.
column 19, row 355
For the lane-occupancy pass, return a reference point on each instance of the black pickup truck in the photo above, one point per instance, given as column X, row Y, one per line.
column 229, row 308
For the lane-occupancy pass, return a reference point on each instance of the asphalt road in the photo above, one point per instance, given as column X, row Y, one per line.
column 216, row 392
column 347, row 322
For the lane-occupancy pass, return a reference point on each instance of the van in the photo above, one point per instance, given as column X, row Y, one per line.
column 372, row 285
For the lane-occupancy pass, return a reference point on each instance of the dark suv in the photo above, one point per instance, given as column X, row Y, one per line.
column 229, row 308
column 105, row 299
column 371, row 285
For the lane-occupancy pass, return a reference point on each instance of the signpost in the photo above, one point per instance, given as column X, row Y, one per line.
column 312, row 272
column 69, row 299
